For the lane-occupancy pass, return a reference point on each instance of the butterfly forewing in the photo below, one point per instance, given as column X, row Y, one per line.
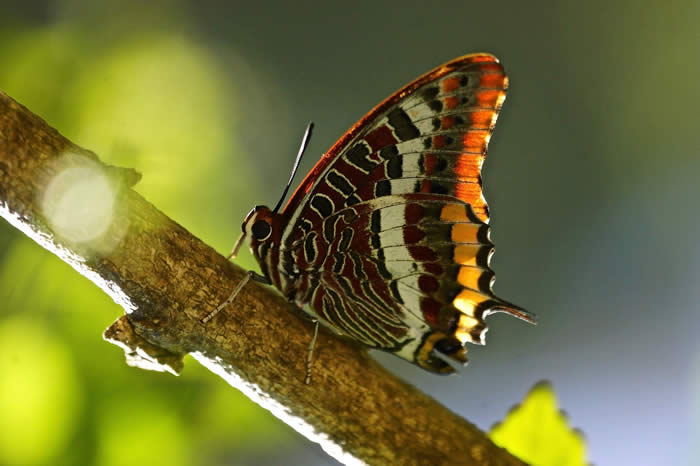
column 386, row 239
column 447, row 114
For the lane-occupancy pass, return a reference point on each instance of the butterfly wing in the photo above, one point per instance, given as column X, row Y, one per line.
column 389, row 228
column 450, row 110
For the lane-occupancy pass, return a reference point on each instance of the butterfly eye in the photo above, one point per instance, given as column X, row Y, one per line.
column 261, row 230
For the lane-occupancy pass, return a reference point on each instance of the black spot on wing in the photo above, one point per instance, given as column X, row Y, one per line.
column 430, row 93
column 483, row 234
column 375, row 225
column 339, row 263
column 340, row 183
column 352, row 200
column 381, row 265
column 435, row 106
column 305, row 225
column 402, row 124
column 394, row 168
column 357, row 156
column 382, row 188
column 356, row 260
column 485, row 281
column 345, row 239
column 482, row 256
column 394, row 287
column 322, row 205
column 441, row 164
column 389, row 152
column 437, row 188
column 310, row 247
column 329, row 225
column 375, row 242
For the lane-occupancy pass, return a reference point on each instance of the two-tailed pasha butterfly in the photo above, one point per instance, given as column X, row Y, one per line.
column 386, row 240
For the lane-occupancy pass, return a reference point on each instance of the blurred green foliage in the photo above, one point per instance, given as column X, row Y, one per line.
column 40, row 396
column 157, row 102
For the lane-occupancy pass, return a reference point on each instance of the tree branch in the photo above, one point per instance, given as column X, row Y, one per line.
column 167, row 281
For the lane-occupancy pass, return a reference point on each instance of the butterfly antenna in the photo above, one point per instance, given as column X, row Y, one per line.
column 302, row 148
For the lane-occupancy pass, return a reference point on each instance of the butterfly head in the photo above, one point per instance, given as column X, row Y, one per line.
column 260, row 225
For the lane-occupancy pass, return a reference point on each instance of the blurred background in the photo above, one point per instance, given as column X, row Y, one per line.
column 592, row 179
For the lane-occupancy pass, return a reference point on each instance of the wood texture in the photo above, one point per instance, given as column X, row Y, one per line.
column 167, row 281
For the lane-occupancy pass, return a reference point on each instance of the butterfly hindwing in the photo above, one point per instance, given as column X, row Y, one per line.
column 399, row 268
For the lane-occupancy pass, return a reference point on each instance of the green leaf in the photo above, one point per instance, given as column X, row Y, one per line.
column 537, row 432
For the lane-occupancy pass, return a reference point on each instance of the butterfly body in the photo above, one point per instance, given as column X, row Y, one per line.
column 386, row 240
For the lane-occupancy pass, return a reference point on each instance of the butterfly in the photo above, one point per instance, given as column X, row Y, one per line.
column 386, row 240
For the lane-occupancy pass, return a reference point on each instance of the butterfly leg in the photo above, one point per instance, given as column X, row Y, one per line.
column 309, row 355
column 250, row 275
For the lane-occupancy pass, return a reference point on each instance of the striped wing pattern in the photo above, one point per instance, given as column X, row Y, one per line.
column 386, row 241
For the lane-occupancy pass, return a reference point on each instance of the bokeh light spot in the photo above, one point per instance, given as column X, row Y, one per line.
column 79, row 203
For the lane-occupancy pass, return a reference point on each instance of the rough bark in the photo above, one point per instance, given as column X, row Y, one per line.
column 167, row 281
